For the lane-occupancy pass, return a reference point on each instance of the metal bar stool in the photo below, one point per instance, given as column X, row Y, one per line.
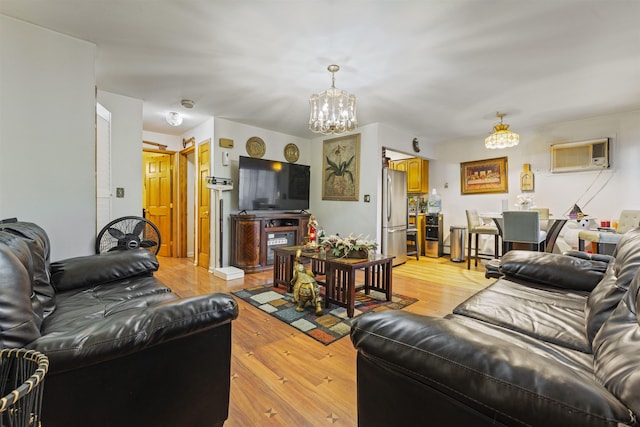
column 412, row 243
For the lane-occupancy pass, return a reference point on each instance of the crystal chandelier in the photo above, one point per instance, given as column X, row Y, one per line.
column 501, row 136
column 334, row 110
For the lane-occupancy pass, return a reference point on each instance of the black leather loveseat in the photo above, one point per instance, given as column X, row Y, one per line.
column 123, row 349
column 555, row 342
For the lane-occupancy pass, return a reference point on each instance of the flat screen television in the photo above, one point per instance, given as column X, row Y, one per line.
column 272, row 185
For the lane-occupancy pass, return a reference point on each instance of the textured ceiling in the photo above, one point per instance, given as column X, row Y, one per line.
column 437, row 69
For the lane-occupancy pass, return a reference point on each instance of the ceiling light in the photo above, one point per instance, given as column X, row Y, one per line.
column 187, row 103
column 501, row 136
column 174, row 119
column 334, row 110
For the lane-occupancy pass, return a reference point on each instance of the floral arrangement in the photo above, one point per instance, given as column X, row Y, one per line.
column 525, row 201
column 342, row 246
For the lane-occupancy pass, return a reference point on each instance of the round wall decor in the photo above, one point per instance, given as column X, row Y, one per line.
column 291, row 153
column 256, row 147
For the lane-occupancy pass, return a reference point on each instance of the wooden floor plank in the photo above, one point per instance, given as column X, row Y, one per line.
column 280, row 376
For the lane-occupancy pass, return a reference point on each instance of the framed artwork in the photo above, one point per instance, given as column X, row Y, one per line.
column 484, row 176
column 341, row 168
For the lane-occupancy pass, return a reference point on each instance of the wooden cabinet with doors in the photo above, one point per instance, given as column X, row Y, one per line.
column 417, row 175
column 417, row 170
column 253, row 236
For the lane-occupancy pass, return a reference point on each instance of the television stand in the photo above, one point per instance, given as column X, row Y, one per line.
column 254, row 235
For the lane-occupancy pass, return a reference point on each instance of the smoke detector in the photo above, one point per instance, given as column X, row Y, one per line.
column 187, row 103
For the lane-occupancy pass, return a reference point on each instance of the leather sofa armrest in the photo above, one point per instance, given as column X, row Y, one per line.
column 120, row 333
column 500, row 372
column 92, row 270
column 554, row 270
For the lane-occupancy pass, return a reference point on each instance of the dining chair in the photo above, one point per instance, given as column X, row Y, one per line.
column 628, row 219
column 544, row 218
column 522, row 227
column 476, row 227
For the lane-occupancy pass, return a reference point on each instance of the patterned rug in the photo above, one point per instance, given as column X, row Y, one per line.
column 332, row 324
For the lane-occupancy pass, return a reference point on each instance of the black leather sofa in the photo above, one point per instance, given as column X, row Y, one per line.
column 554, row 342
column 123, row 349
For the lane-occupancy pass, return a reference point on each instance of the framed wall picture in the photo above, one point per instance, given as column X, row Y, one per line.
column 484, row 176
column 341, row 168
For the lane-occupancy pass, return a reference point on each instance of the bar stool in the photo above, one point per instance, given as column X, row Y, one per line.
column 475, row 226
column 412, row 242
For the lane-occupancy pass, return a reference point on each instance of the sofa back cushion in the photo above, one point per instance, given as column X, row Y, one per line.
column 19, row 324
column 616, row 347
column 38, row 242
column 607, row 294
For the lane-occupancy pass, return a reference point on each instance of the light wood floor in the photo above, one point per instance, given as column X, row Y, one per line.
column 281, row 377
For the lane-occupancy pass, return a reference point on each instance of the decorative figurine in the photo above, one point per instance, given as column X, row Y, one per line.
column 305, row 287
column 312, row 230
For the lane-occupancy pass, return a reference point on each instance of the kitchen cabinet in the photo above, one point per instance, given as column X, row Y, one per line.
column 399, row 165
column 417, row 175
column 417, row 170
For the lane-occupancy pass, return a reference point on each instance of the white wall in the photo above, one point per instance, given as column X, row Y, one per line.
column 47, row 134
column 126, row 152
column 173, row 142
column 239, row 133
column 609, row 191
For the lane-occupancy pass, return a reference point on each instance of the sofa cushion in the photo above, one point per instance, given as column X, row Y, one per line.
column 554, row 315
column 38, row 242
column 607, row 294
column 617, row 346
column 92, row 270
column 19, row 324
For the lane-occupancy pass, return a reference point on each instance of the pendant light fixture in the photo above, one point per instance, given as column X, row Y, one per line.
column 334, row 110
column 501, row 136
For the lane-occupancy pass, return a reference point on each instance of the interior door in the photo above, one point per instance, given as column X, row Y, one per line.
column 204, row 205
column 157, row 200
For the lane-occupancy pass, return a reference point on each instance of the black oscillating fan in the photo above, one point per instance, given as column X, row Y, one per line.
column 128, row 232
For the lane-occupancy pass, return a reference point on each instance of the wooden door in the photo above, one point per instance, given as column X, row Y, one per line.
column 157, row 200
column 204, row 205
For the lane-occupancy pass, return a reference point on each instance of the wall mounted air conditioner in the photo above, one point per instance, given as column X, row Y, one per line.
column 580, row 156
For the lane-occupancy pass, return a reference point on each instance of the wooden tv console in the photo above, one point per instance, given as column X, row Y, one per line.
column 254, row 235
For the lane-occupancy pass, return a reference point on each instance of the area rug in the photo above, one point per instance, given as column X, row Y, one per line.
column 332, row 324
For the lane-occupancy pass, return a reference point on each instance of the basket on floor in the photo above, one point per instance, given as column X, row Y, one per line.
column 21, row 383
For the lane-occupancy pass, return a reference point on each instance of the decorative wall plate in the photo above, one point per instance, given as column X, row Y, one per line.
column 256, row 147
column 291, row 153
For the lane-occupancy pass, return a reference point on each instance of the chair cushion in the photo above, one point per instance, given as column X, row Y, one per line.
column 485, row 229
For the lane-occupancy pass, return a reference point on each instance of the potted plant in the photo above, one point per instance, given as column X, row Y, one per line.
column 348, row 247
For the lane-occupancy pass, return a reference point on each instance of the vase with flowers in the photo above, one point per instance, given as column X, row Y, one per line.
column 348, row 247
column 525, row 202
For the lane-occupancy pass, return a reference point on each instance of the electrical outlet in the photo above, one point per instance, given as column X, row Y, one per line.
column 367, row 198
column 120, row 192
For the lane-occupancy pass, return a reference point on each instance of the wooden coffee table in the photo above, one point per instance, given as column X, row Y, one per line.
column 340, row 275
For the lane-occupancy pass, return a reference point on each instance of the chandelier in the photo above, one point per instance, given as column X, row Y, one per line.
column 334, row 110
column 501, row 136
column 174, row 119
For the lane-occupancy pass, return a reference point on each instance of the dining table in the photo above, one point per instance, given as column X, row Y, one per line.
column 552, row 225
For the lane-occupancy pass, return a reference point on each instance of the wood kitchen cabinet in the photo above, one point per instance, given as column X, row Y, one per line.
column 417, row 170
column 417, row 175
column 253, row 237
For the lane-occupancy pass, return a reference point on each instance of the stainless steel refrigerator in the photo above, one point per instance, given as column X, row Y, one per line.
column 394, row 214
